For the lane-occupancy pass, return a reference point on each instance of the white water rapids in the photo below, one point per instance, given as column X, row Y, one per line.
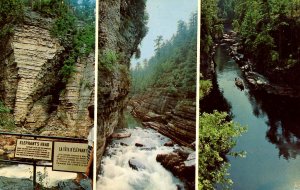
column 116, row 173
column 25, row 171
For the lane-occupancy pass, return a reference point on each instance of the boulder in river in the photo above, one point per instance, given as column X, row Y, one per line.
column 123, row 144
column 169, row 143
column 120, row 135
column 136, row 164
column 181, row 164
column 139, row 145
column 239, row 83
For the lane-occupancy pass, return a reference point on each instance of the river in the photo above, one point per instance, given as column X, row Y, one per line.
column 45, row 176
column 272, row 141
column 116, row 172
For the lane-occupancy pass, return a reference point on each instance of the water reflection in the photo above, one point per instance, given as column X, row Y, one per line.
column 215, row 101
column 272, row 139
column 283, row 122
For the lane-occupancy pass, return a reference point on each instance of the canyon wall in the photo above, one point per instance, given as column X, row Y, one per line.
column 173, row 115
column 121, row 29
column 30, row 84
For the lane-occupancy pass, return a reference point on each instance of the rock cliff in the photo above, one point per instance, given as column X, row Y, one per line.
column 121, row 29
column 30, row 84
column 171, row 114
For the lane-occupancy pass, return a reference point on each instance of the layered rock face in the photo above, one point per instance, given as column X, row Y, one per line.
column 34, row 55
column 170, row 114
column 71, row 118
column 117, row 33
column 30, row 84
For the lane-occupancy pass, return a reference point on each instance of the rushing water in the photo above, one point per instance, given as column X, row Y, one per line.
column 49, row 178
column 272, row 141
column 116, row 173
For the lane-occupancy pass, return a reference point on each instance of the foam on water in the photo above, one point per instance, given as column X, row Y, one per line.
column 25, row 171
column 116, row 173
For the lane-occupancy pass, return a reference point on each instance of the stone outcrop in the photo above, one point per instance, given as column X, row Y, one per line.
column 256, row 80
column 172, row 115
column 31, row 86
column 35, row 54
column 71, row 112
column 136, row 164
column 181, row 164
column 259, row 82
column 120, row 32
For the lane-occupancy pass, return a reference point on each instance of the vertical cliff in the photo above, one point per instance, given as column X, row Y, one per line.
column 171, row 114
column 121, row 29
column 30, row 84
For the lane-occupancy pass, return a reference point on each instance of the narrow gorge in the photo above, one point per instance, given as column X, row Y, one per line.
column 163, row 104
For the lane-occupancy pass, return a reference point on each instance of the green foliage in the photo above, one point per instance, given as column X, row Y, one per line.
column 205, row 87
column 64, row 28
column 108, row 59
column 6, row 118
column 76, row 34
column 42, row 179
column 226, row 9
column 173, row 67
column 3, row 109
column 84, row 41
column 270, row 32
column 11, row 12
column 216, row 139
column 211, row 29
column 68, row 69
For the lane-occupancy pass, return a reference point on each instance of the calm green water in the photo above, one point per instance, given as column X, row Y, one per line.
column 272, row 141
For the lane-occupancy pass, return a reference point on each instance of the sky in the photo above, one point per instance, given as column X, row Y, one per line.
column 163, row 18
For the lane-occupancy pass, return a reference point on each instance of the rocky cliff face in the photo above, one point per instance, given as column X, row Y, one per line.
column 30, row 84
column 119, row 32
column 172, row 115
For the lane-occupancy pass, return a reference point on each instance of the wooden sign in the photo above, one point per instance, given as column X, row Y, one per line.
column 34, row 149
column 71, row 157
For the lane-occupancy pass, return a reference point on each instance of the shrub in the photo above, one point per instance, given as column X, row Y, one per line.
column 84, row 41
column 108, row 59
column 216, row 139
column 6, row 118
column 11, row 11
column 205, row 87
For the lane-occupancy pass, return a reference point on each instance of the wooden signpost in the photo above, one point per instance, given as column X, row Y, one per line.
column 71, row 155
column 34, row 149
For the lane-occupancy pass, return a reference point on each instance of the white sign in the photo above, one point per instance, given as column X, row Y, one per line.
column 33, row 149
column 70, row 157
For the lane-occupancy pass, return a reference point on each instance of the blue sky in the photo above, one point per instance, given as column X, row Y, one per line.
column 163, row 18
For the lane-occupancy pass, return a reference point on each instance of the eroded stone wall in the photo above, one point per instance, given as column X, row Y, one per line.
column 117, row 33
column 31, row 86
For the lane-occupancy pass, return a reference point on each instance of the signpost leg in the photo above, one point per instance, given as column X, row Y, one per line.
column 34, row 175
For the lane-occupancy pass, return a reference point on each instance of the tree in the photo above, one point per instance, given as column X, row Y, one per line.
column 11, row 12
column 158, row 42
column 216, row 139
column 173, row 67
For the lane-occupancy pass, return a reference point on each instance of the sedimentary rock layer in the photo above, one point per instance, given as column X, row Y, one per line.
column 172, row 115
